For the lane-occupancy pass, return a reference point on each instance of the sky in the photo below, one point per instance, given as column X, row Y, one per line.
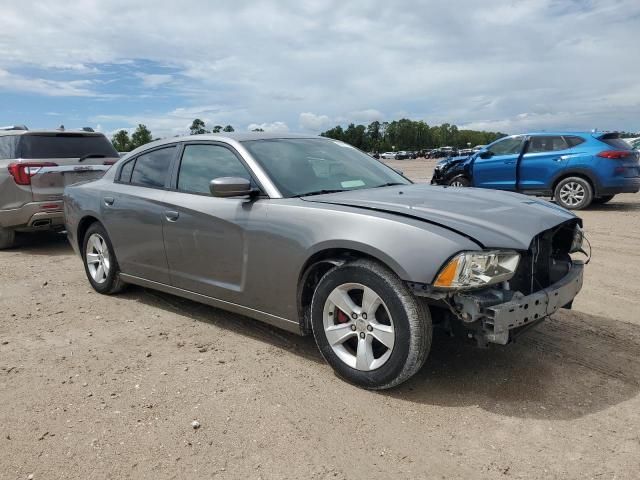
column 305, row 66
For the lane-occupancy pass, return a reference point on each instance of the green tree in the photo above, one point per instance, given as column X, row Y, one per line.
column 121, row 141
column 228, row 128
column 197, row 127
column 141, row 136
column 258, row 130
column 216, row 129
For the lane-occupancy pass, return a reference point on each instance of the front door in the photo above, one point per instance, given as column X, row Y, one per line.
column 207, row 238
column 498, row 167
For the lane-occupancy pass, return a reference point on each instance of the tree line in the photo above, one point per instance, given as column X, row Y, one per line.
column 408, row 134
column 142, row 135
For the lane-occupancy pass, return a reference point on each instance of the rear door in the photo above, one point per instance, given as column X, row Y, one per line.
column 498, row 171
column 133, row 209
column 546, row 155
column 63, row 158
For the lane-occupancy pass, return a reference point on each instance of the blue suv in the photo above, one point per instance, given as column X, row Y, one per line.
column 576, row 169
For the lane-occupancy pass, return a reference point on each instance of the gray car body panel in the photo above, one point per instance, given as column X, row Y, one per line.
column 248, row 255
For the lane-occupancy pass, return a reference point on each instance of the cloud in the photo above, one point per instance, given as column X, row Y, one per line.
column 335, row 61
column 311, row 121
column 278, row 127
column 154, row 80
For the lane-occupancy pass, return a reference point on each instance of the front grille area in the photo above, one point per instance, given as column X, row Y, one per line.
column 546, row 261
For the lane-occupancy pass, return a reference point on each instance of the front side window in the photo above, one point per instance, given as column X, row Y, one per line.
column 152, row 169
column 202, row 163
column 546, row 143
column 507, row 146
column 302, row 166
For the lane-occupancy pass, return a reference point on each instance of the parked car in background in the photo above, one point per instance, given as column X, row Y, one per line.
column 576, row 169
column 477, row 148
column 634, row 142
column 403, row 155
column 465, row 152
column 311, row 235
column 388, row 155
column 35, row 165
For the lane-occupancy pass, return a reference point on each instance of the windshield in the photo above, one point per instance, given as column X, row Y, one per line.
column 65, row 145
column 303, row 166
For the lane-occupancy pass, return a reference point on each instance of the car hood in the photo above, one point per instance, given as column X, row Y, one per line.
column 491, row 218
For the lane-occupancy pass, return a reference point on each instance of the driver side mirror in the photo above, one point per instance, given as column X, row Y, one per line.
column 485, row 154
column 224, row 187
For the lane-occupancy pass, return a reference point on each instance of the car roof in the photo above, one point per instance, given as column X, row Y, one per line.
column 229, row 137
column 558, row 133
column 4, row 133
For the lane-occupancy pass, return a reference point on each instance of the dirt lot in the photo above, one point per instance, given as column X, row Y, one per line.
column 107, row 387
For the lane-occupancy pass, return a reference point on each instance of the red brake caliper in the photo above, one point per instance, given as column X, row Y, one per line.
column 341, row 317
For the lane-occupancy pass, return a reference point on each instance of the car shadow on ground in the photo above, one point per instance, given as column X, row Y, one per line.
column 568, row 367
column 614, row 206
column 42, row 243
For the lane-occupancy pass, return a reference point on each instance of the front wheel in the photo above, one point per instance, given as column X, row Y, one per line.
column 368, row 326
column 573, row 193
column 459, row 181
column 100, row 263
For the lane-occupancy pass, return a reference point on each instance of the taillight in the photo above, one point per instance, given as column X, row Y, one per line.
column 616, row 154
column 22, row 172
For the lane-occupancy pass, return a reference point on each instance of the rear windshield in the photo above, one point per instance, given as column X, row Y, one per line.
column 65, row 145
column 614, row 141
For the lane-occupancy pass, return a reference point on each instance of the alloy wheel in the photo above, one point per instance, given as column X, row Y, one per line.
column 358, row 326
column 97, row 258
column 572, row 193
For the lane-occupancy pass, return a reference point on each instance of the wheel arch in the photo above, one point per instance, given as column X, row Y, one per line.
column 581, row 173
column 320, row 263
column 83, row 226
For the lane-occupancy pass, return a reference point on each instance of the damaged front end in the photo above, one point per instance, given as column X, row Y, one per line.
column 546, row 279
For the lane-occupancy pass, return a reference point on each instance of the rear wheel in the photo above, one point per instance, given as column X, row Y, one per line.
column 7, row 238
column 459, row 181
column 602, row 200
column 368, row 326
column 100, row 263
column 573, row 193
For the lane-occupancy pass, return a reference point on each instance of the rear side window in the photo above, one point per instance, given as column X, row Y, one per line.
column 65, row 145
column 8, row 147
column 125, row 172
column 507, row 146
column 614, row 141
column 152, row 169
column 202, row 163
column 573, row 141
column 546, row 143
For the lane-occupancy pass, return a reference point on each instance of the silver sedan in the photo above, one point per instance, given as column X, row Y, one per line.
column 316, row 237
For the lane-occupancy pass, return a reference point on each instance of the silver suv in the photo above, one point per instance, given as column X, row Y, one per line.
column 35, row 166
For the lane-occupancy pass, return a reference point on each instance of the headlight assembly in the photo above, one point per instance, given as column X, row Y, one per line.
column 578, row 238
column 477, row 269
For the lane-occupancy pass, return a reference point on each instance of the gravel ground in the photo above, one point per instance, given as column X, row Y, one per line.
column 108, row 387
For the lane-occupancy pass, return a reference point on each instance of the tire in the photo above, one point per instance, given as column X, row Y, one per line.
column 602, row 200
column 459, row 181
column 399, row 319
column 96, row 243
column 573, row 193
column 7, row 238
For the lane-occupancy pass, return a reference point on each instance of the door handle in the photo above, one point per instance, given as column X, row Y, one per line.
column 509, row 162
column 171, row 215
column 108, row 201
column 559, row 159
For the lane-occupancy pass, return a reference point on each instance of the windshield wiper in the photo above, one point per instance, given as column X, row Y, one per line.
column 389, row 184
column 318, row 192
column 91, row 155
